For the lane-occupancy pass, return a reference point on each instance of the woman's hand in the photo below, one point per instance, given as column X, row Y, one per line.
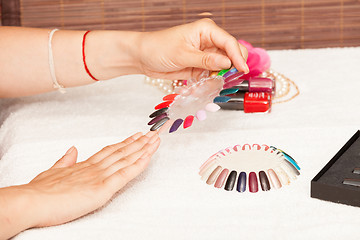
column 182, row 52
column 70, row 190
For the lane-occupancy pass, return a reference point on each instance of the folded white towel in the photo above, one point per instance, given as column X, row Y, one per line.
column 168, row 201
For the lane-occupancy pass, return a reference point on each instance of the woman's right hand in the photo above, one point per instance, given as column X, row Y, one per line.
column 69, row 190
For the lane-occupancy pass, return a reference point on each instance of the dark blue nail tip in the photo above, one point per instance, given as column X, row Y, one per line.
column 159, row 124
column 228, row 91
column 158, row 112
column 230, row 72
column 241, row 184
column 222, row 99
column 176, row 125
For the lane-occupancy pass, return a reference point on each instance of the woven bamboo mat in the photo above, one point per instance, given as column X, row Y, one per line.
column 272, row 24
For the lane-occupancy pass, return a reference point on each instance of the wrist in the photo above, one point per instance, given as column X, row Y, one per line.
column 17, row 212
column 111, row 54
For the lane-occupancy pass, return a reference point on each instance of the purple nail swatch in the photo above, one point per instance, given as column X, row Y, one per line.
column 157, row 118
column 176, row 125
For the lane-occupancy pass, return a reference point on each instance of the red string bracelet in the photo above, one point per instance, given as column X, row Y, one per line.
column 83, row 54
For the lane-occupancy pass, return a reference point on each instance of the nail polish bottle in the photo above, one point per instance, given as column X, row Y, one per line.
column 257, row 85
column 250, row 102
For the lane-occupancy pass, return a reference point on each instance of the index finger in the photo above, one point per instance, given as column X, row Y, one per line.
column 223, row 40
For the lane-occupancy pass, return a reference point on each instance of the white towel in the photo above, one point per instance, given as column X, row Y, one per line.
column 169, row 201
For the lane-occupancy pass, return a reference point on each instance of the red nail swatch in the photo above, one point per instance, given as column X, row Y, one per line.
column 163, row 105
column 253, row 182
column 188, row 121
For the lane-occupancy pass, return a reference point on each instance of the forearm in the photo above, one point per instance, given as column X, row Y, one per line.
column 16, row 210
column 24, row 63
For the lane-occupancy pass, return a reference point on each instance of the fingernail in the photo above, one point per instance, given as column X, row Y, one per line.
column 70, row 150
column 247, row 70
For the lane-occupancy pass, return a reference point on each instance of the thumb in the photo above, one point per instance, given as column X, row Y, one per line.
column 68, row 159
column 208, row 60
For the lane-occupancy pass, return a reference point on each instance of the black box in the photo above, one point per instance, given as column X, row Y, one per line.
column 328, row 183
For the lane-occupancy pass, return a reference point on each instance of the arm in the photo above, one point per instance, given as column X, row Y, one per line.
column 174, row 53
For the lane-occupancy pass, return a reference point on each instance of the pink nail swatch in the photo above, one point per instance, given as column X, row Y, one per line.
column 201, row 115
column 212, row 107
column 221, row 179
column 275, row 182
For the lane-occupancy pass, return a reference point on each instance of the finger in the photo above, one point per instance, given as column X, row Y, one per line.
column 244, row 51
column 148, row 151
column 133, row 148
column 120, row 178
column 208, row 60
column 108, row 150
column 68, row 159
column 228, row 43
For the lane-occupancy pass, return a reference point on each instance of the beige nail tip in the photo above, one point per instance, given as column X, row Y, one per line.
column 207, row 171
column 275, row 182
column 207, row 165
column 284, row 178
column 289, row 171
column 213, row 176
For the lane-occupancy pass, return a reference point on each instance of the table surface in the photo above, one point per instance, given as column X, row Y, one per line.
column 168, row 201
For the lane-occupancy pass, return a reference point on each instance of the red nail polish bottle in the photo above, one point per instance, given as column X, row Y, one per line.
column 250, row 102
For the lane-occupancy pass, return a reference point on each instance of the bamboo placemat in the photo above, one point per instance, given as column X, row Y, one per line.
column 272, row 24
